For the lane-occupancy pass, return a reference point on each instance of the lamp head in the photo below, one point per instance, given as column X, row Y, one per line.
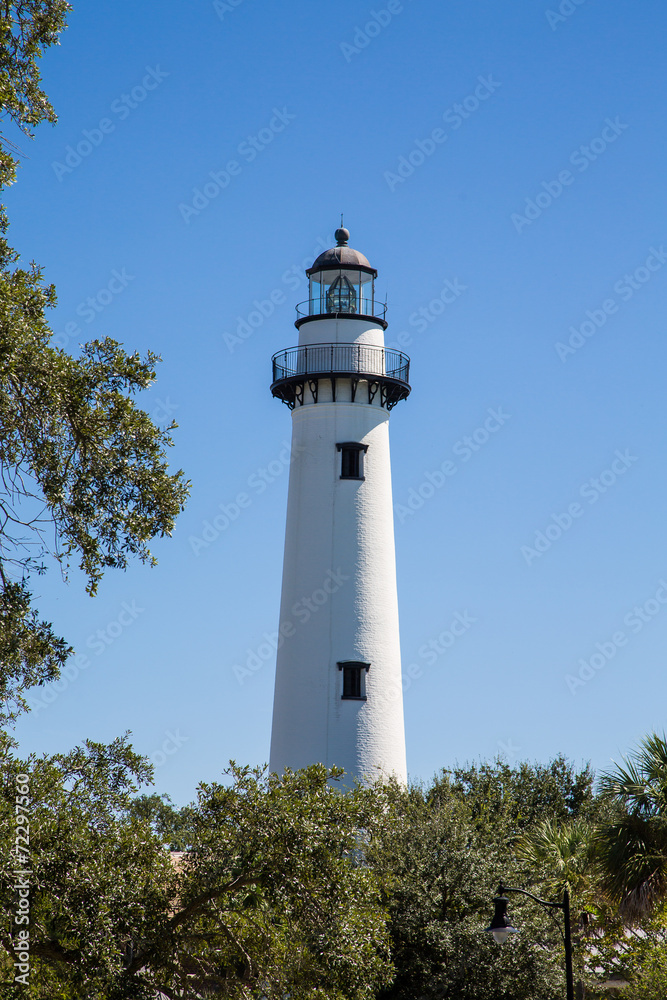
column 500, row 927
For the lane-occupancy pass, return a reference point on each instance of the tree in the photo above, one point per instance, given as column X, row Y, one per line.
column 272, row 899
column 174, row 827
column 441, row 852
column 613, row 859
column 500, row 797
column 648, row 968
column 95, row 879
column 633, row 847
column 561, row 855
column 275, row 897
column 83, row 474
column 26, row 28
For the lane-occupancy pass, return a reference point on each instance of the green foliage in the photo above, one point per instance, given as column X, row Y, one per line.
column 30, row 652
column 563, row 854
column 82, row 469
column 634, row 954
column 97, row 878
column 74, row 441
column 649, row 974
column 83, row 474
column 500, row 797
column 174, row 827
column 273, row 898
column 632, row 848
column 287, row 886
column 441, row 858
column 27, row 27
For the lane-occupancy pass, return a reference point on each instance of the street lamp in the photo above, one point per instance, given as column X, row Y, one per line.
column 500, row 927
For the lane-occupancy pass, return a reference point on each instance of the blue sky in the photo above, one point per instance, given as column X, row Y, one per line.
column 502, row 165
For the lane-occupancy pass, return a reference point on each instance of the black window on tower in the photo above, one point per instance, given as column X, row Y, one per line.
column 354, row 679
column 351, row 459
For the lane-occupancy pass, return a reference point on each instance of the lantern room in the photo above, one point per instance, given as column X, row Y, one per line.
column 341, row 283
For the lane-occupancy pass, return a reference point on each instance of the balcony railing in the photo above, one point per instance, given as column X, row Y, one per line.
column 364, row 307
column 380, row 367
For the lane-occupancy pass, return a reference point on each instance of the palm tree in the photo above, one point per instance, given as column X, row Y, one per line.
column 632, row 850
column 562, row 855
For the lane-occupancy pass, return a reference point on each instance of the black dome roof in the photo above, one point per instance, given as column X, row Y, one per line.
column 341, row 256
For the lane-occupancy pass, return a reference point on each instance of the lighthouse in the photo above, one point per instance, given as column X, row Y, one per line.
column 338, row 697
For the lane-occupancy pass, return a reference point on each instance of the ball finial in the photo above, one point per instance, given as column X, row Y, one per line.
column 342, row 236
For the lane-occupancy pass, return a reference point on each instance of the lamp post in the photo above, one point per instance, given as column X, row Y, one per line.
column 500, row 927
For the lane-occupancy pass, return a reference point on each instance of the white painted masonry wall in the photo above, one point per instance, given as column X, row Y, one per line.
column 341, row 331
column 339, row 584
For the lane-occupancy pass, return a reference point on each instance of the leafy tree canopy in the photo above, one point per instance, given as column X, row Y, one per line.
column 27, row 27
column 83, row 471
column 442, row 854
column 273, row 898
column 632, row 847
column 174, row 827
column 499, row 796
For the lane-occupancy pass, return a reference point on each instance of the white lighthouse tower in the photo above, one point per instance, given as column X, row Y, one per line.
column 338, row 696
